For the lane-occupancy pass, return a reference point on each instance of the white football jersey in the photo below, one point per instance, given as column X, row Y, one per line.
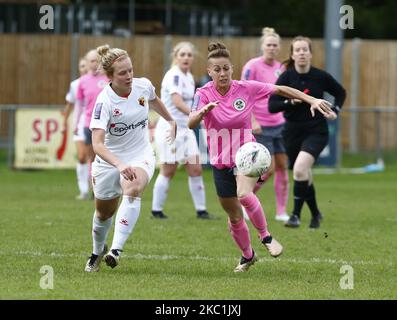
column 125, row 120
column 71, row 96
column 175, row 81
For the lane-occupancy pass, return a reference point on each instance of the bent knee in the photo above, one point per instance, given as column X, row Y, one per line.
column 301, row 174
column 133, row 191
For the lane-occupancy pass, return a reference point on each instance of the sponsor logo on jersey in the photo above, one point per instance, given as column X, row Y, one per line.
column 117, row 112
column 141, row 101
column 176, row 80
column 119, row 129
column 97, row 112
column 239, row 104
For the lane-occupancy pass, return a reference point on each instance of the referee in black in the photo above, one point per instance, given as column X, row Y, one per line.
column 305, row 135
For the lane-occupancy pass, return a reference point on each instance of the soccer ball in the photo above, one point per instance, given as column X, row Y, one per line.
column 253, row 159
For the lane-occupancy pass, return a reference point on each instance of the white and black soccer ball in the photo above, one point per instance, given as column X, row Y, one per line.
column 253, row 159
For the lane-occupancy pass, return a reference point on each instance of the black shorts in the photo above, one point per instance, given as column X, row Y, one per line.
column 87, row 136
column 309, row 137
column 225, row 182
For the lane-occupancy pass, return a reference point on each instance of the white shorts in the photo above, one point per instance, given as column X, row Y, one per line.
column 106, row 179
column 184, row 146
column 79, row 135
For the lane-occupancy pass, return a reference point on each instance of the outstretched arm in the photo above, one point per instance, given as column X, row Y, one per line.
column 195, row 117
column 323, row 106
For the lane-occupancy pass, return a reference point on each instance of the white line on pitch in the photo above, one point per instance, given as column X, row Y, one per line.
column 140, row 256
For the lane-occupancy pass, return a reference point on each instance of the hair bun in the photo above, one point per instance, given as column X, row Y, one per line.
column 268, row 30
column 103, row 50
column 215, row 46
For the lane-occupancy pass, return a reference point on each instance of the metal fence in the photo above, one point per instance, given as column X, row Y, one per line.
column 370, row 129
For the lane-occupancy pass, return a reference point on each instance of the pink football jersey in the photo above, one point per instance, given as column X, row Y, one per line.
column 229, row 124
column 257, row 69
column 88, row 90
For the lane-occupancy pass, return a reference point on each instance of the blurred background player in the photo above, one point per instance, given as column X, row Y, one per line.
column 267, row 127
column 226, row 107
column 305, row 136
column 90, row 85
column 177, row 92
column 78, row 132
column 124, row 163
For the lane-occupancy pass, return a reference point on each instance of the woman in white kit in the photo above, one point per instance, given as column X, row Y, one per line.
column 78, row 132
column 177, row 92
column 124, row 162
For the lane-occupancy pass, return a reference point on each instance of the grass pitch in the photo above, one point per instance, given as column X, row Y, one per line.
column 186, row 258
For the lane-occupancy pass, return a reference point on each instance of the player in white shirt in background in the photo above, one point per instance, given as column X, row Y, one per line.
column 78, row 132
column 177, row 92
column 125, row 161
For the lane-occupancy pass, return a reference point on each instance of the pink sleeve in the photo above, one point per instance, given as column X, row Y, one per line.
column 248, row 72
column 199, row 101
column 263, row 90
column 80, row 94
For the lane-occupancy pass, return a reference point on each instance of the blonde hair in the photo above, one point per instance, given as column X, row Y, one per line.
column 178, row 47
column 269, row 32
column 108, row 56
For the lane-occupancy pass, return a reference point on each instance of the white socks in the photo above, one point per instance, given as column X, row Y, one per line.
column 160, row 192
column 100, row 230
column 82, row 177
column 196, row 187
column 126, row 218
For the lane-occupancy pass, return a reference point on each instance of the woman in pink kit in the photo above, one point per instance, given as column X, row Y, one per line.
column 226, row 106
column 266, row 126
column 91, row 84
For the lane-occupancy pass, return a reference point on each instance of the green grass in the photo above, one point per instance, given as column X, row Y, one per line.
column 186, row 258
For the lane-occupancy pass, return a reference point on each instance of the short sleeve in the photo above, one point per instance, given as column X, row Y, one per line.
column 150, row 89
column 200, row 100
column 262, row 90
column 70, row 96
column 80, row 92
column 248, row 72
column 173, row 84
column 100, row 115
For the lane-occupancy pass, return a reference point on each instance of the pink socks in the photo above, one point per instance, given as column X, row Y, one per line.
column 281, row 189
column 255, row 212
column 241, row 236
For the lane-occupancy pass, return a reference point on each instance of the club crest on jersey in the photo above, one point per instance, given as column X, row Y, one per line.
column 117, row 112
column 277, row 73
column 239, row 104
column 141, row 101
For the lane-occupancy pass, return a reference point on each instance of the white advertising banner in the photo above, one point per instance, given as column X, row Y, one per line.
column 41, row 141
